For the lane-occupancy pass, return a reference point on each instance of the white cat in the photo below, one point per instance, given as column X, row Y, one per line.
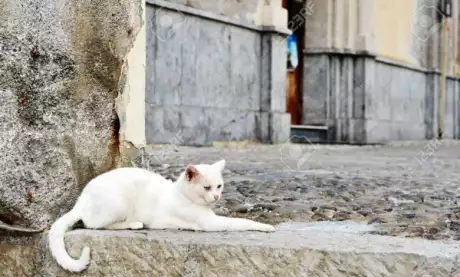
column 134, row 198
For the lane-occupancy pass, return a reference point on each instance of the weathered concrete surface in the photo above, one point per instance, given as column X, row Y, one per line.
column 17, row 260
column 372, row 100
column 240, row 10
column 60, row 72
column 368, row 89
column 131, row 103
column 17, row 254
column 205, row 81
column 410, row 189
column 290, row 251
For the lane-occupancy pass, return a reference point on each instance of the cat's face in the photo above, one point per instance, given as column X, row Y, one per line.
column 205, row 183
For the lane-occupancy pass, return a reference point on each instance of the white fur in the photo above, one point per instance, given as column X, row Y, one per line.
column 133, row 198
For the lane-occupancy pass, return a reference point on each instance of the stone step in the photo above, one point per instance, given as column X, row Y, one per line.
column 307, row 134
column 295, row 249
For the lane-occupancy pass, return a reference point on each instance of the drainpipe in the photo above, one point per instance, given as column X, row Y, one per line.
column 442, row 86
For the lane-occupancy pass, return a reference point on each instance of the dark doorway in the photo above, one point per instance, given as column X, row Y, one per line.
column 296, row 23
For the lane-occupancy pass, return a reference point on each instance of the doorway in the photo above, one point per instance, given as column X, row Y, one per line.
column 294, row 75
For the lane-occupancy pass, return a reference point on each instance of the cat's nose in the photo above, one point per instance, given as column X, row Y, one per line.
column 216, row 197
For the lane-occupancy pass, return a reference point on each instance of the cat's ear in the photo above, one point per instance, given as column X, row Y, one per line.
column 219, row 165
column 191, row 173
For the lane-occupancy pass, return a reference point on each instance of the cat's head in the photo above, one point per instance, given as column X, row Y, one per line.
column 203, row 183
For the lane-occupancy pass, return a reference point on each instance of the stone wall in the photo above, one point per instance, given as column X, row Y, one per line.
column 414, row 33
column 239, row 10
column 372, row 80
column 62, row 67
column 17, row 260
column 365, row 99
column 412, row 36
column 212, row 78
column 317, row 250
column 404, row 101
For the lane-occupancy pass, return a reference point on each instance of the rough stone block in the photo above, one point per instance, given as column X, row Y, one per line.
column 61, row 69
column 317, row 80
column 202, row 63
column 245, row 69
column 17, row 260
column 275, row 15
column 290, row 251
column 431, row 108
column 205, row 79
column 188, row 125
column 365, row 99
column 274, row 84
column 240, row 10
column 280, row 127
column 451, row 123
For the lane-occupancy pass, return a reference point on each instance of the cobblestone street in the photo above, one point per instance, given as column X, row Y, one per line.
column 407, row 189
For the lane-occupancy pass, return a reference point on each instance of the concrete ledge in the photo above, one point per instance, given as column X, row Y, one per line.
column 290, row 251
column 182, row 9
column 312, row 51
column 309, row 51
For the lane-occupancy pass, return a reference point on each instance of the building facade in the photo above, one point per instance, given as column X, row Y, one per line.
column 377, row 70
column 368, row 71
column 213, row 74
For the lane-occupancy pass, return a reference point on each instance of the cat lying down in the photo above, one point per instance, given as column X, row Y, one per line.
column 134, row 198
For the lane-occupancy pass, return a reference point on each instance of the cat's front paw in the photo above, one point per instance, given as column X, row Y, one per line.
column 136, row 225
column 266, row 228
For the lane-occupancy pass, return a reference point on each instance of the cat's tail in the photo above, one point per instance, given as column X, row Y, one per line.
column 57, row 246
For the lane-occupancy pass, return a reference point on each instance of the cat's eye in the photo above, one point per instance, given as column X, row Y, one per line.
column 207, row 188
column 219, row 186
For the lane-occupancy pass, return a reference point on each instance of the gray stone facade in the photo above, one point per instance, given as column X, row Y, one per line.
column 367, row 99
column 213, row 78
column 366, row 90
column 242, row 11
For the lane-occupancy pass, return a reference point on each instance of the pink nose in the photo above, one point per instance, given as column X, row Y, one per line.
column 216, row 197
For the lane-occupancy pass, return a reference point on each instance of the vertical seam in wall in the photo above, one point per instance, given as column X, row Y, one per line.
column 329, row 85
column 342, row 133
column 230, row 50
column 336, row 84
column 264, row 85
column 261, row 72
column 337, row 93
column 261, row 83
column 270, row 65
column 428, row 85
column 455, row 106
column 155, row 55
column 349, row 99
column 364, row 107
column 457, row 89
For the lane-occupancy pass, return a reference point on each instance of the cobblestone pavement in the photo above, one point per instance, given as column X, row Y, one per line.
column 407, row 189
